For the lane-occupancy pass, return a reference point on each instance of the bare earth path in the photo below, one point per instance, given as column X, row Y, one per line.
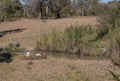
column 35, row 27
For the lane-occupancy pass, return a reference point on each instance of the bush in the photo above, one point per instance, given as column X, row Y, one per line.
column 111, row 18
column 1, row 16
column 75, row 39
column 114, row 48
column 110, row 31
column 116, row 77
column 5, row 57
column 10, row 10
column 111, row 21
column 7, row 53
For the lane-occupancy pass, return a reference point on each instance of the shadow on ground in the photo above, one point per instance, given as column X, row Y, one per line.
column 3, row 33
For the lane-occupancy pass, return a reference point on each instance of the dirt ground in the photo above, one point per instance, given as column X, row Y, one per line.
column 34, row 28
column 46, row 69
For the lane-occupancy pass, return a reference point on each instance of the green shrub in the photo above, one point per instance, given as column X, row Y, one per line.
column 1, row 16
column 7, row 53
column 75, row 39
column 111, row 18
column 10, row 10
column 114, row 47
column 116, row 77
column 5, row 57
column 111, row 21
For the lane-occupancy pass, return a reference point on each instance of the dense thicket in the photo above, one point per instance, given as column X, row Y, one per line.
column 52, row 8
column 64, row 8
column 10, row 9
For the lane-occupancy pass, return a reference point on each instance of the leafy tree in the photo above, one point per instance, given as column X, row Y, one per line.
column 35, row 7
column 10, row 9
column 61, row 7
column 89, row 7
column 111, row 17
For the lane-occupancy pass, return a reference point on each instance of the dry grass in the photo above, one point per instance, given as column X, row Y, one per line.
column 35, row 27
column 45, row 70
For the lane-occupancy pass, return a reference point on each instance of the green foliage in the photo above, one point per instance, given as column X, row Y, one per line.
column 114, row 48
column 111, row 18
column 114, row 75
column 9, row 49
column 73, row 40
column 6, row 54
column 10, row 9
column 61, row 8
column 110, row 31
column 1, row 16
column 5, row 57
column 49, row 41
column 101, row 33
column 77, row 37
column 110, row 24
column 115, row 57
column 111, row 21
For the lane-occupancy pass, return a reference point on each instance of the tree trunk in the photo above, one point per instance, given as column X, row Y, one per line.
column 24, row 12
column 58, row 14
column 40, row 15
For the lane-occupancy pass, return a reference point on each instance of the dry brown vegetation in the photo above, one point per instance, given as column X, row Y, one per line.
column 55, row 68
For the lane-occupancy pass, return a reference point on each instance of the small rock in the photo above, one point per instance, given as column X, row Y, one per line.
column 27, row 54
column 38, row 55
column 14, row 45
